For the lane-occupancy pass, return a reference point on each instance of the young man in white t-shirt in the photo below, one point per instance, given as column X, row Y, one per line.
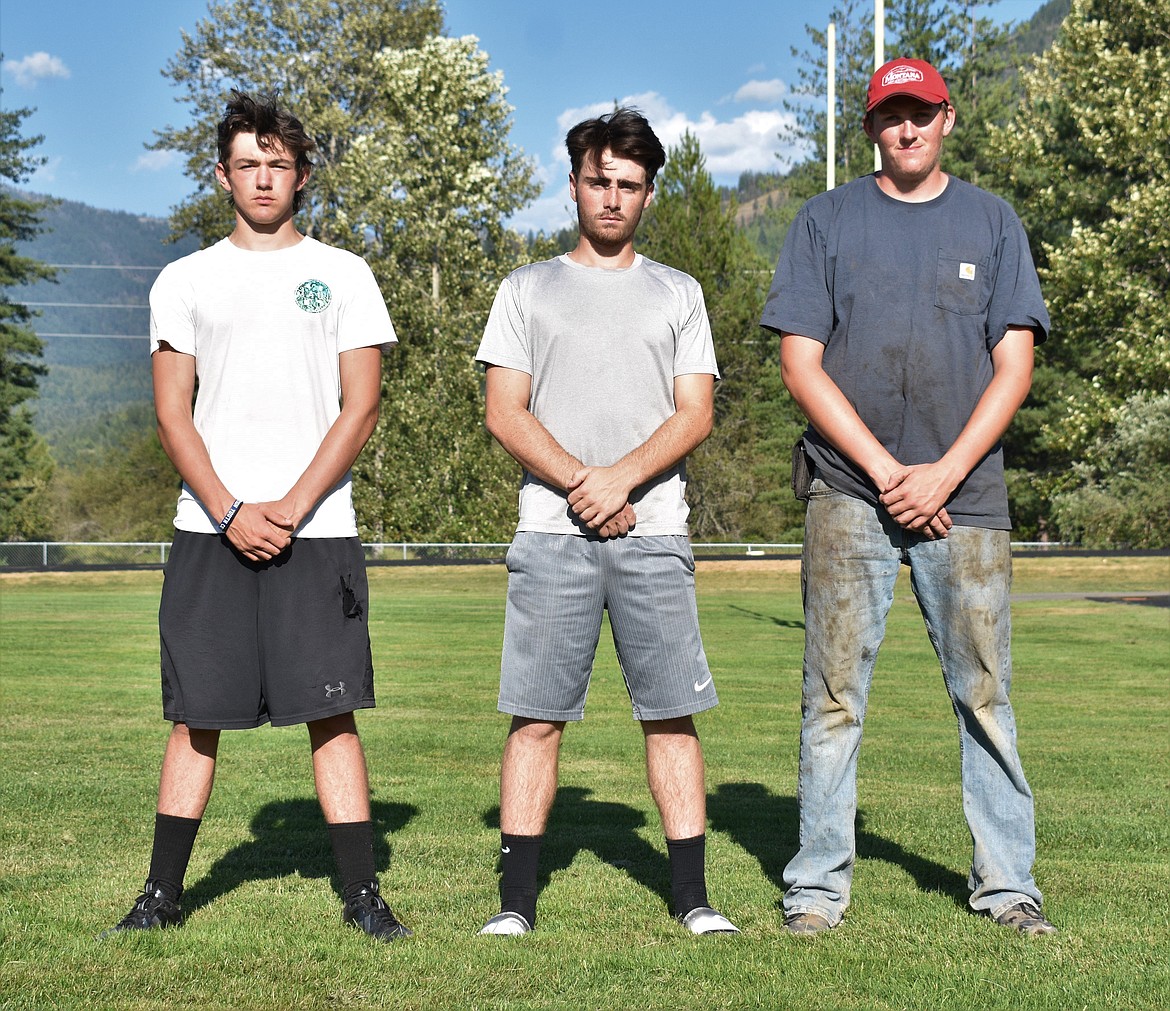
column 264, row 603
column 600, row 381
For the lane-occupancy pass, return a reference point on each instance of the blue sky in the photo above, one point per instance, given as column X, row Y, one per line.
column 91, row 69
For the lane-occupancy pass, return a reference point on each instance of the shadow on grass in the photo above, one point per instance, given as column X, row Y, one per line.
column 778, row 622
column 608, row 830
column 768, row 827
column 290, row 837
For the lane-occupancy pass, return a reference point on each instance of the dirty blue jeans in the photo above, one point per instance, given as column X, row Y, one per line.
column 852, row 554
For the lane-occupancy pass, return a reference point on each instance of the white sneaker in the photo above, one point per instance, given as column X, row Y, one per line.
column 705, row 920
column 511, row 924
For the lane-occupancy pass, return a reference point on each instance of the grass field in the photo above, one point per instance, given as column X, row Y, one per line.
column 81, row 737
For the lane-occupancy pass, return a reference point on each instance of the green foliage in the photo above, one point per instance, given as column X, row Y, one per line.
column 318, row 55
column 97, row 241
column 974, row 55
column 732, row 475
column 428, row 194
column 83, row 408
column 1122, row 487
column 1087, row 155
column 124, row 492
column 765, row 221
column 26, row 473
column 24, row 467
column 414, row 173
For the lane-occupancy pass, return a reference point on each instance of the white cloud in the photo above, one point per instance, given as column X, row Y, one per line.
column 761, row 91
column 46, row 173
column 748, row 142
column 548, row 213
column 155, row 161
column 36, row 67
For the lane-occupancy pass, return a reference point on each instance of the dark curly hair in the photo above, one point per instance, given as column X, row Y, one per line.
column 271, row 124
column 626, row 132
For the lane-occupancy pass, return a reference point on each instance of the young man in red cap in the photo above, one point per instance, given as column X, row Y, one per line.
column 908, row 307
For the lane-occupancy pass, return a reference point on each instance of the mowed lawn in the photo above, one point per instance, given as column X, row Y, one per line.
column 81, row 737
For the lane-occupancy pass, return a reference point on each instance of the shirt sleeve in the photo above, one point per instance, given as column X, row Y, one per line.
column 364, row 320
column 172, row 312
column 799, row 300
column 695, row 348
column 1016, row 300
column 505, row 341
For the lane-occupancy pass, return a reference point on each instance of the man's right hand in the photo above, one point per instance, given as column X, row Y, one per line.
column 620, row 524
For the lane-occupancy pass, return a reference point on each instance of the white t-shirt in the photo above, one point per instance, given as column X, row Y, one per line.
column 603, row 348
column 266, row 329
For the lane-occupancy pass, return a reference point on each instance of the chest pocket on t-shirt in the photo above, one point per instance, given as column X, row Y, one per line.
column 962, row 285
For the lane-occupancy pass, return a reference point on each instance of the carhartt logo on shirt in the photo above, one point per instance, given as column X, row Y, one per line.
column 313, row 296
column 967, row 271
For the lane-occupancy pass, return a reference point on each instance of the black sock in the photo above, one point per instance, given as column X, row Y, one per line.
column 174, row 839
column 353, row 849
column 520, row 858
column 688, row 880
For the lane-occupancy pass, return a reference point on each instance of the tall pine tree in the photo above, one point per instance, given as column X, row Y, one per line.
column 25, row 466
column 737, row 479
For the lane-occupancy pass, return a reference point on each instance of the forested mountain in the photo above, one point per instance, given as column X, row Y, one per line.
column 94, row 320
column 107, row 259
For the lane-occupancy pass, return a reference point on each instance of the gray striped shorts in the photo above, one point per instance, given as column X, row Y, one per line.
column 558, row 586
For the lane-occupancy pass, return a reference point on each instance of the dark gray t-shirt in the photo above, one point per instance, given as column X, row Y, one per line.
column 909, row 300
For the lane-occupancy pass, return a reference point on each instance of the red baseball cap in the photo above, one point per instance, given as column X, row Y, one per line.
column 916, row 78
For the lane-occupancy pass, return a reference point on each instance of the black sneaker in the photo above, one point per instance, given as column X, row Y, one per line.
column 154, row 909
column 1027, row 919
column 368, row 911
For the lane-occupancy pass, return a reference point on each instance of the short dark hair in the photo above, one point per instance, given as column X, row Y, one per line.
column 262, row 116
column 626, row 132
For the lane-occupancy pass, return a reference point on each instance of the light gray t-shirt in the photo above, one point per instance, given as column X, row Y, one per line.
column 603, row 348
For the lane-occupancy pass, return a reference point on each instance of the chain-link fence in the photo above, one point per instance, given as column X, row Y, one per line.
column 48, row 555
column 26, row 555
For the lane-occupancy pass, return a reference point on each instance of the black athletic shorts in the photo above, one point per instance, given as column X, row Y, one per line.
column 281, row 642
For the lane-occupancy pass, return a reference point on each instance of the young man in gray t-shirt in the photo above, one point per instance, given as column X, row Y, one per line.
column 908, row 308
column 600, row 381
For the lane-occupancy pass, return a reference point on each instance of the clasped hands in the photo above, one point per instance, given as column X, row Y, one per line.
column 915, row 496
column 600, row 498
column 262, row 530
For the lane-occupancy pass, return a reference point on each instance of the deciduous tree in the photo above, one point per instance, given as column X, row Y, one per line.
column 1087, row 155
column 417, row 175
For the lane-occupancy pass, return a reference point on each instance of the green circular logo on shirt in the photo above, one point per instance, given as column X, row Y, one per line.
column 314, row 296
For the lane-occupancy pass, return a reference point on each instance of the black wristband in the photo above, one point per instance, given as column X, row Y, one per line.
column 231, row 515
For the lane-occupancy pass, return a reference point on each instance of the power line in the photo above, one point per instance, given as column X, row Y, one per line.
column 87, row 305
column 109, row 336
column 102, row 266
